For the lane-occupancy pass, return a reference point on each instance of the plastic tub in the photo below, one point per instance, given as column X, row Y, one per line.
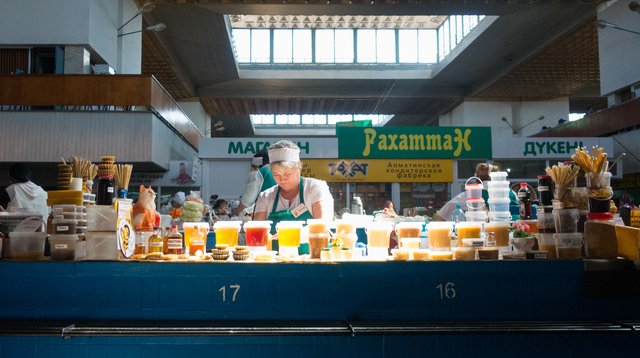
column 401, row 254
column 63, row 247
column 546, row 223
column 566, row 220
column 499, row 216
column 346, row 226
column 377, row 252
column 289, row 233
column 409, row 229
column 468, row 230
column 317, row 242
column 26, row 245
column 257, row 234
column 503, row 184
column 568, row 245
column 410, row 242
column 476, row 216
column 499, row 193
column 317, row 226
column 378, row 234
column 488, row 253
column 475, row 204
column 439, row 233
column 70, row 208
column 498, row 176
column 421, row 255
column 498, row 204
column 195, row 235
column 65, row 226
column 500, row 230
column 546, row 242
column 475, row 242
column 441, row 255
column 464, row 253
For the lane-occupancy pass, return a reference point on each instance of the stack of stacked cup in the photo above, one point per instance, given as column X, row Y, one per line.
column 499, row 197
column 469, row 233
column 499, row 214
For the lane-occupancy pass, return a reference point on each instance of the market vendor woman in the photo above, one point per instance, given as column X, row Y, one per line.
column 294, row 197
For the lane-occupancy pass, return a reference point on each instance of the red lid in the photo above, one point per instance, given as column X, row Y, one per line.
column 523, row 185
column 544, row 177
column 599, row 216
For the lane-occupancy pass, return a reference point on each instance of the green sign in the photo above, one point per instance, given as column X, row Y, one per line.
column 414, row 142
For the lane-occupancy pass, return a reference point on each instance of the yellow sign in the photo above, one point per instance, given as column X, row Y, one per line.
column 379, row 170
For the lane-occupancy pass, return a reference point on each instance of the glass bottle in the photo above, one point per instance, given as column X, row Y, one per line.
column 141, row 245
column 165, row 239
column 155, row 241
column 174, row 241
column 106, row 190
column 524, row 197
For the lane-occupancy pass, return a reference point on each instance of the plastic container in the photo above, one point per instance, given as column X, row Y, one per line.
column 546, row 242
column 475, row 204
column 500, row 230
column 566, row 220
column 346, row 226
column 257, row 234
column 195, row 235
column 289, row 233
column 503, row 184
column 475, row 242
column 408, row 229
column 317, row 226
column 64, row 226
column 499, row 216
column 498, row 176
column 568, row 245
column 63, row 247
column 439, row 233
column 377, row 253
column 410, row 242
column 474, row 187
column 26, row 245
column 441, row 255
column 477, row 216
column 468, row 230
column 464, row 253
column 317, row 242
column 378, row 234
column 545, row 189
column 488, row 253
column 499, row 193
column 64, row 208
column 498, row 204
column 546, row 224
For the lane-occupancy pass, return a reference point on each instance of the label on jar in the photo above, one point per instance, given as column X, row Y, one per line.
column 58, row 216
column 61, row 246
column 543, row 188
column 155, row 244
column 522, row 195
column 62, row 228
column 110, row 189
column 57, row 209
column 174, row 243
column 197, row 242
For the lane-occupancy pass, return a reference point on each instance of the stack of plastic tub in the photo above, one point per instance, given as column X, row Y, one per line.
column 499, row 214
column 475, row 203
column 499, row 200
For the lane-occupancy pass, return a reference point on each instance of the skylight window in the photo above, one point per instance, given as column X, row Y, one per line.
column 314, row 120
column 370, row 40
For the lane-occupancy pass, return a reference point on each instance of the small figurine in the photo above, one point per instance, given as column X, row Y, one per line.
column 145, row 216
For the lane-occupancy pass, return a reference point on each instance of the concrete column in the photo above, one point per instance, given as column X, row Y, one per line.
column 77, row 60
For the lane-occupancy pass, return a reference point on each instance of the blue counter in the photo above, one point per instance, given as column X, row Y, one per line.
column 408, row 304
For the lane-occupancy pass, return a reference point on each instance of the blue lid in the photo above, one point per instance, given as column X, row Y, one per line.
column 458, row 206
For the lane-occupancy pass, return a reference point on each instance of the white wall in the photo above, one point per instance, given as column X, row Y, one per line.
column 619, row 51
column 225, row 178
column 195, row 112
column 489, row 114
column 88, row 23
